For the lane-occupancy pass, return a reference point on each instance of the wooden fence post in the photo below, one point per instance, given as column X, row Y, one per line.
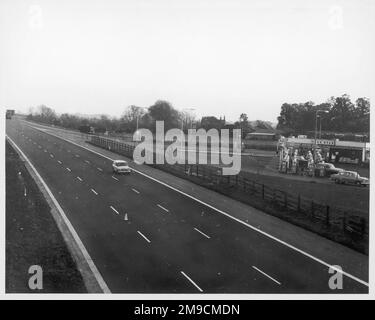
column 299, row 203
column 363, row 227
column 285, row 200
column 262, row 191
column 344, row 222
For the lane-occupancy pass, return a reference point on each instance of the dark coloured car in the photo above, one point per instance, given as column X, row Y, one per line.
column 329, row 168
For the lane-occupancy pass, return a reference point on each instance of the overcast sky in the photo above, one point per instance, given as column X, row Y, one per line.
column 219, row 57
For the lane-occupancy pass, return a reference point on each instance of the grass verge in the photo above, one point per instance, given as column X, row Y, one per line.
column 32, row 236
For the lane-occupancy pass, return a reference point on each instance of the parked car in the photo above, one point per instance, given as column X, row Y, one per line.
column 329, row 168
column 120, row 166
column 350, row 177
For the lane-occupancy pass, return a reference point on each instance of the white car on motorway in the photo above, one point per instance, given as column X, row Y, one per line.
column 120, row 166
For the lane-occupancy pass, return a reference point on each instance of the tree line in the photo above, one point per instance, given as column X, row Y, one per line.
column 138, row 117
column 338, row 114
column 132, row 117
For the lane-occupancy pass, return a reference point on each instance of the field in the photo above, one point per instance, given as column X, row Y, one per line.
column 319, row 189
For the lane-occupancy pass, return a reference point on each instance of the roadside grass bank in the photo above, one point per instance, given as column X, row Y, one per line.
column 336, row 195
column 33, row 238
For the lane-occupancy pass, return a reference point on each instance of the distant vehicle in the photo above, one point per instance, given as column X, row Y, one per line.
column 120, row 166
column 350, row 177
column 329, row 168
column 9, row 114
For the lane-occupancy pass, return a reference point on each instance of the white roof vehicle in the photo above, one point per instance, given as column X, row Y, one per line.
column 120, row 166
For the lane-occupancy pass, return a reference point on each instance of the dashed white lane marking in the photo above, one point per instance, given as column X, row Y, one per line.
column 100, row 169
column 77, row 155
column 51, row 155
column 59, row 161
column 69, row 169
column 39, row 146
column 45, row 150
column 202, row 233
column 136, row 191
column 68, row 150
column 94, row 191
column 265, row 274
column 115, row 178
column 79, row 179
column 187, row 277
column 161, row 207
column 114, row 209
column 144, row 237
column 87, row 161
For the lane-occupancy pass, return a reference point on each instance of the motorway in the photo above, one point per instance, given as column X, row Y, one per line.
column 147, row 238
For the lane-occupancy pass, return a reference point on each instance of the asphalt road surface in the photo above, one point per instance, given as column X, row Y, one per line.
column 146, row 238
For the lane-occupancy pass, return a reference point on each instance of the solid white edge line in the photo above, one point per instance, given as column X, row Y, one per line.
column 114, row 209
column 265, row 274
column 187, row 277
column 290, row 246
column 144, row 237
column 161, row 207
column 77, row 239
column 202, row 233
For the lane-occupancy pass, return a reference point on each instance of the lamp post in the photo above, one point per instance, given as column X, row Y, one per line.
column 316, row 123
column 142, row 108
column 184, row 118
column 138, row 114
column 320, row 127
